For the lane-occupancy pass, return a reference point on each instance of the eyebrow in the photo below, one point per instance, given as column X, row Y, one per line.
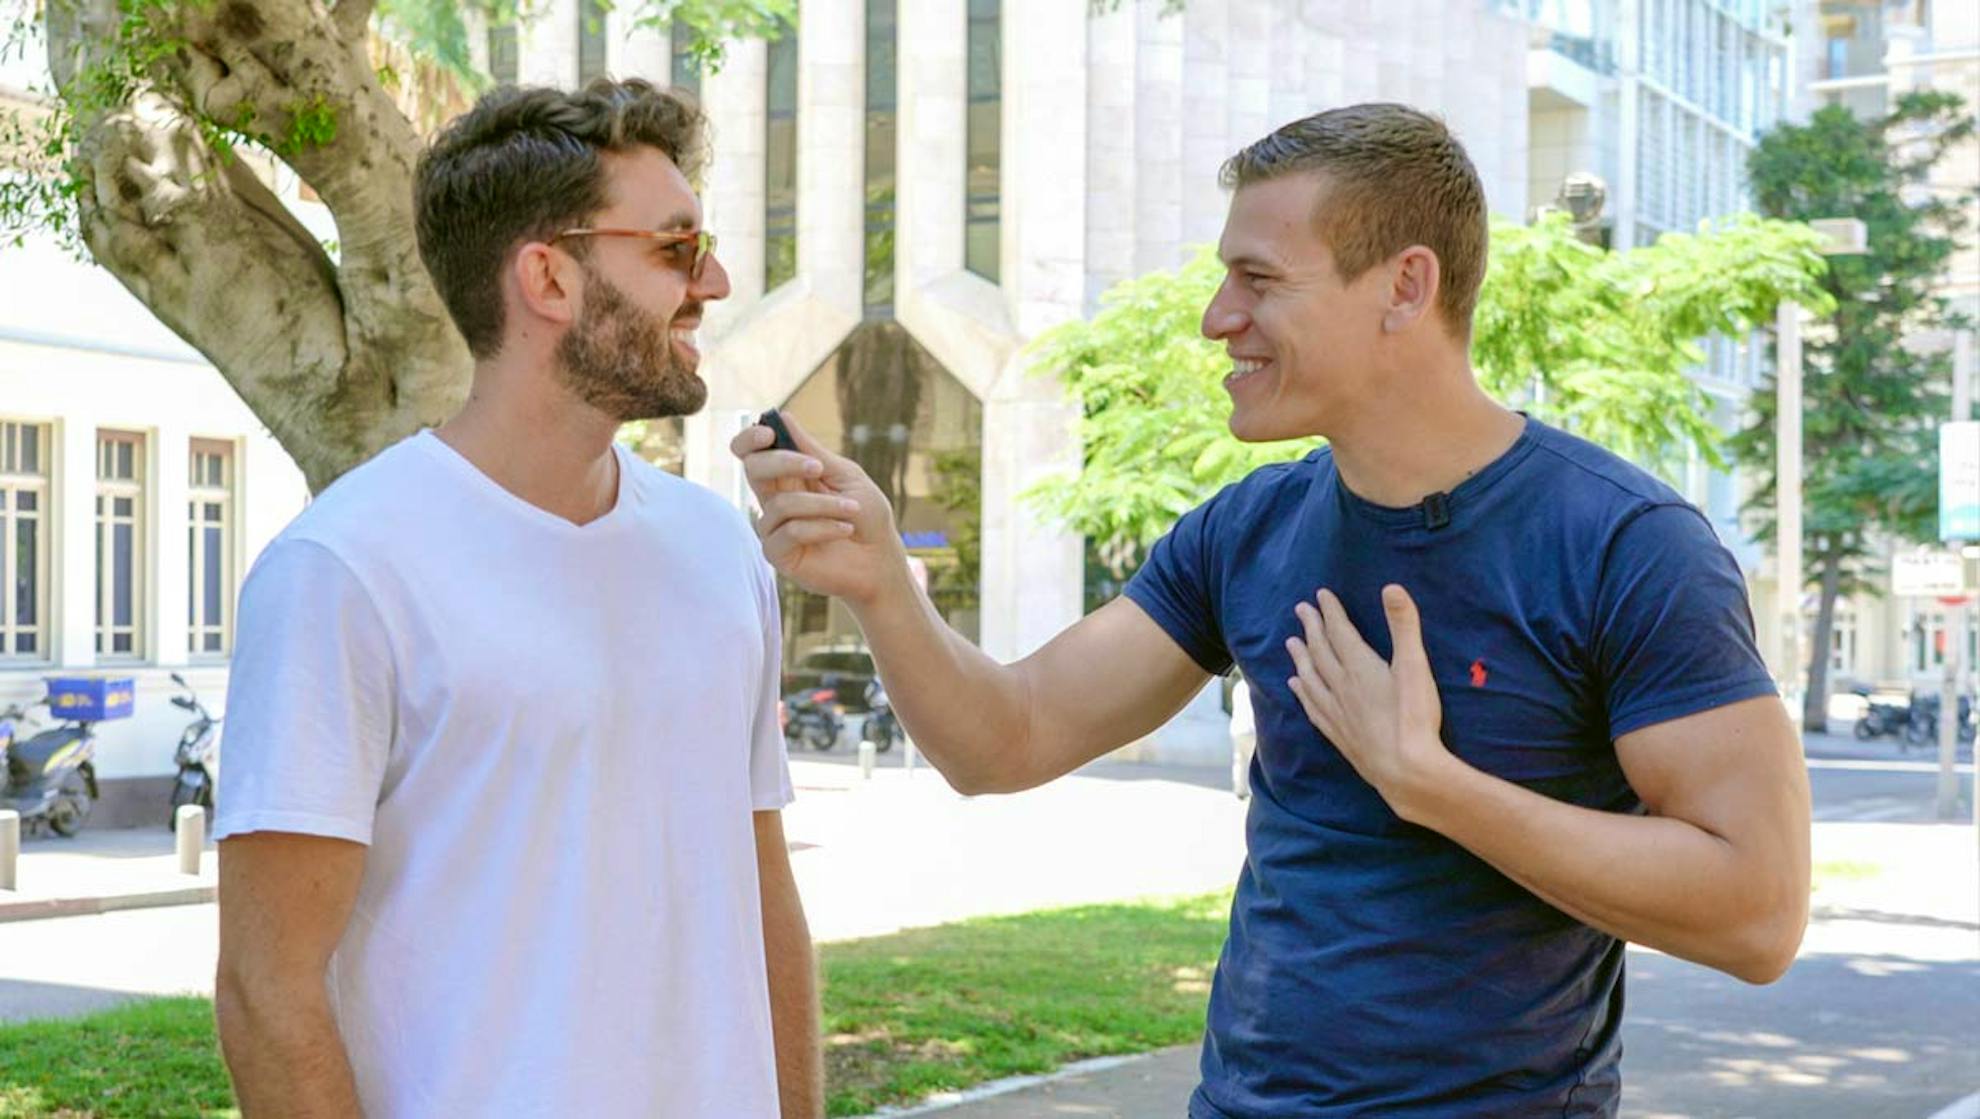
column 1251, row 261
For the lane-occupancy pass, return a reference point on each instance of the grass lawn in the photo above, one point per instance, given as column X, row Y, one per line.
column 905, row 1015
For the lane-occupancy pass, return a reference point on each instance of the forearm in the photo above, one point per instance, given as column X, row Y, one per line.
column 1652, row 880
column 964, row 710
column 283, row 1051
column 794, row 1010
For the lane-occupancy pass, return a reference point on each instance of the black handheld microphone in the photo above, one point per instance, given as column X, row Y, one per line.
column 775, row 423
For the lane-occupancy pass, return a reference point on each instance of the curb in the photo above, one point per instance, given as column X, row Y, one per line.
column 943, row 1101
column 40, row 909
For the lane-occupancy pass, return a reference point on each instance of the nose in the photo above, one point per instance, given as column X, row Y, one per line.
column 713, row 284
column 1225, row 316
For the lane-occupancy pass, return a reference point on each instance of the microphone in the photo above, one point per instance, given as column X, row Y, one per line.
column 1436, row 510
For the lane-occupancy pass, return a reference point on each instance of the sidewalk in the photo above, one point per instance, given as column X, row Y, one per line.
column 1698, row 1043
column 102, row 871
column 901, row 822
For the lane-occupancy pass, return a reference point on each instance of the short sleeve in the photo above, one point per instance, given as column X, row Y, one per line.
column 310, row 701
column 1175, row 587
column 769, row 761
column 1674, row 630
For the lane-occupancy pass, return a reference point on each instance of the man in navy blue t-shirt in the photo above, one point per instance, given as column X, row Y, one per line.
column 1509, row 710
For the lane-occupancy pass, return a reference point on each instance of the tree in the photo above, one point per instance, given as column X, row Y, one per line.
column 1594, row 341
column 146, row 154
column 1871, row 401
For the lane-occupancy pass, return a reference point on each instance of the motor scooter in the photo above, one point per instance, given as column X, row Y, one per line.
column 195, row 754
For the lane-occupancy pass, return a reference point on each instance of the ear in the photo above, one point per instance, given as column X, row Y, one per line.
column 1415, row 279
column 549, row 284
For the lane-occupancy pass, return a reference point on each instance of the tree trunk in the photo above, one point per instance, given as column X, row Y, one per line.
column 339, row 357
column 1815, row 705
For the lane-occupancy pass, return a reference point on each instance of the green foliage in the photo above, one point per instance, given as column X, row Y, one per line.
column 435, row 30
column 312, row 123
column 1593, row 341
column 958, row 489
column 1871, row 404
column 916, row 1012
column 1153, row 430
column 1599, row 342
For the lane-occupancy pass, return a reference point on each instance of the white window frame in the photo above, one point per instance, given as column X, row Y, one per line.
column 209, row 487
column 120, row 476
column 15, row 481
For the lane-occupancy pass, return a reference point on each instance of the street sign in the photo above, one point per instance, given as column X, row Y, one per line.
column 1959, row 480
column 1928, row 575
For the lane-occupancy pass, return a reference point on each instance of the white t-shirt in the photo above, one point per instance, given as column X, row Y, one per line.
column 552, row 737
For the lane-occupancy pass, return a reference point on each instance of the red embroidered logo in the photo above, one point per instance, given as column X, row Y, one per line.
column 1478, row 673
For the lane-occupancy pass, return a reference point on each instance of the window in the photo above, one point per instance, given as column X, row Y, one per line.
column 25, row 450
column 591, row 39
column 983, row 188
column 1842, row 640
column 502, row 53
column 210, row 550
column 881, row 96
column 780, row 161
column 683, row 69
column 119, row 544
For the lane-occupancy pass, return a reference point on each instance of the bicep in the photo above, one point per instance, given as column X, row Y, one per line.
column 1112, row 677
column 1735, row 771
column 285, row 899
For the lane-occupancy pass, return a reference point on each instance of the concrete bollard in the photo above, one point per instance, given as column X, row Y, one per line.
column 867, row 753
column 10, row 847
column 191, row 836
column 907, row 755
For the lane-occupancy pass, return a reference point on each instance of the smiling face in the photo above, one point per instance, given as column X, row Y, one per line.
column 631, row 351
column 1301, row 340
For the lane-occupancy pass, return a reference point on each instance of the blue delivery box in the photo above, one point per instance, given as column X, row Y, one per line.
column 91, row 699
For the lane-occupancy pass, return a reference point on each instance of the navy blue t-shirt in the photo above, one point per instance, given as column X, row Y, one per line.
column 1373, row 966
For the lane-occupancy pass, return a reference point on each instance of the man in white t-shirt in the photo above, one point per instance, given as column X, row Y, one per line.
column 500, row 829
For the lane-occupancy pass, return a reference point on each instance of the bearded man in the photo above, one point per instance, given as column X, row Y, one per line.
column 510, row 619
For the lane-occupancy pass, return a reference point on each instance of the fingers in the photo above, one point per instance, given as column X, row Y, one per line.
column 772, row 472
column 794, row 536
column 1322, row 707
column 1345, row 640
column 798, row 506
column 812, row 465
column 751, row 439
column 1405, row 627
column 1319, row 647
column 838, row 469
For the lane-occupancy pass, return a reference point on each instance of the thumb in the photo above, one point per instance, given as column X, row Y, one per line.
column 1405, row 630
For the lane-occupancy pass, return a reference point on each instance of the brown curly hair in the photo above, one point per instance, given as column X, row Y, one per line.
column 522, row 165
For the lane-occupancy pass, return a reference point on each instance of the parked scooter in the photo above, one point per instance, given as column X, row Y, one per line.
column 1923, row 727
column 881, row 728
column 814, row 718
column 51, row 777
column 1880, row 719
column 195, row 754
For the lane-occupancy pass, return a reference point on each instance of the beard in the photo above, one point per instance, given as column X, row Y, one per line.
column 621, row 360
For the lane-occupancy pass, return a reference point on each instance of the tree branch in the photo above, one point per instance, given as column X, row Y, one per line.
column 291, row 69
column 192, row 237
column 351, row 18
column 337, row 359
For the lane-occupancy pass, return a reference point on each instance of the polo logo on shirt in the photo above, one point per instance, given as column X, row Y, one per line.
column 1478, row 673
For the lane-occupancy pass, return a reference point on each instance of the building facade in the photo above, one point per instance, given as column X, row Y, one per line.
column 908, row 193
column 135, row 491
